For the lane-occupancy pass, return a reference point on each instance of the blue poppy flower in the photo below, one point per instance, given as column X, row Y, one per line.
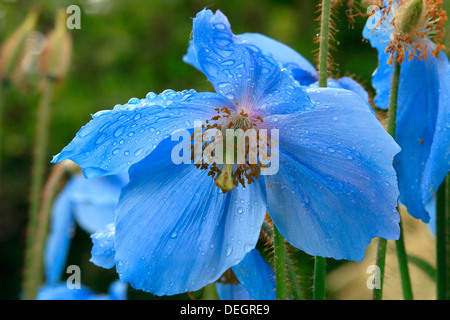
column 176, row 231
column 423, row 114
column 60, row 291
column 90, row 204
column 252, row 278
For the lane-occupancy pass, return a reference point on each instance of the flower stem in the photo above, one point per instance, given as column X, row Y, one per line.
column 319, row 278
column 403, row 265
column 442, row 201
column 381, row 263
column 37, row 181
column 280, row 264
column 324, row 43
column 400, row 243
column 319, row 262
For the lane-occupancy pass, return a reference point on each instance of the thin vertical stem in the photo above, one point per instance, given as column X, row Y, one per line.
column 319, row 278
column 392, row 119
column 324, row 42
column 403, row 265
column 319, row 262
column 400, row 243
column 441, row 242
column 37, row 181
column 280, row 264
column 381, row 263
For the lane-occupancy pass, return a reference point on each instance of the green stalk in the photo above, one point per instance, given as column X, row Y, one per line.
column 280, row 264
column 392, row 118
column 319, row 262
column 319, row 278
column 400, row 243
column 295, row 289
column 441, row 242
column 324, row 43
column 37, row 180
column 403, row 265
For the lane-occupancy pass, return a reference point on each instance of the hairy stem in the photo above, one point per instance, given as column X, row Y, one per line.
column 37, row 181
column 280, row 264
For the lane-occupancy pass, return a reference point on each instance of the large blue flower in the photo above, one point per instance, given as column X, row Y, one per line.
column 176, row 231
column 88, row 202
column 423, row 115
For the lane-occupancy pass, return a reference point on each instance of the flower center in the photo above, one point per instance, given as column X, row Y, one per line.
column 412, row 24
column 236, row 164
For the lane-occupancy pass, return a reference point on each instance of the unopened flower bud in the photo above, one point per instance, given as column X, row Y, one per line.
column 55, row 58
column 13, row 49
column 410, row 15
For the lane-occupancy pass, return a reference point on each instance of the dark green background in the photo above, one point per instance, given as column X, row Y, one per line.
column 125, row 50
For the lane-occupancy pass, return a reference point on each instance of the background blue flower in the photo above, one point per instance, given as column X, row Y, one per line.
column 423, row 118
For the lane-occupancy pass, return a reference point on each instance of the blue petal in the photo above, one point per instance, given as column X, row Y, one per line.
column 62, row 292
column 103, row 251
column 256, row 276
column 176, row 231
column 118, row 290
column 336, row 189
column 232, row 292
column 438, row 164
column 348, row 84
column 241, row 71
column 116, row 139
column 61, row 229
column 95, row 201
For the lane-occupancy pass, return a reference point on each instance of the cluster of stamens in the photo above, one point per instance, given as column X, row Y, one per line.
column 412, row 27
column 229, row 175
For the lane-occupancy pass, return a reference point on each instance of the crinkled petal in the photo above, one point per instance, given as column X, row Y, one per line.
column 116, row 139
column 241, row 71
column 336, row 188
column 176, row 231
column 257, row 277
column 103, row 251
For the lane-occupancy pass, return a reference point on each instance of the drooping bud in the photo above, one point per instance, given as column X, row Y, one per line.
column 55, row 58
column 225, row 180
column 410, row 15
column 13, row 49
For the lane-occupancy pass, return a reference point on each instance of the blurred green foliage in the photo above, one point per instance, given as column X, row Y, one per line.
column 125, row 49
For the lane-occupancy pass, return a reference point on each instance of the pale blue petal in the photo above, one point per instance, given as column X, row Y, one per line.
column 60, row 235
column 62, row 292
column 103, row 251
column 241, row 71
column 116, row 139
column 232, row 292
column 176, row 231
column 336, row 189
column 118, row 290
column 95, row 201
column 255, row 274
